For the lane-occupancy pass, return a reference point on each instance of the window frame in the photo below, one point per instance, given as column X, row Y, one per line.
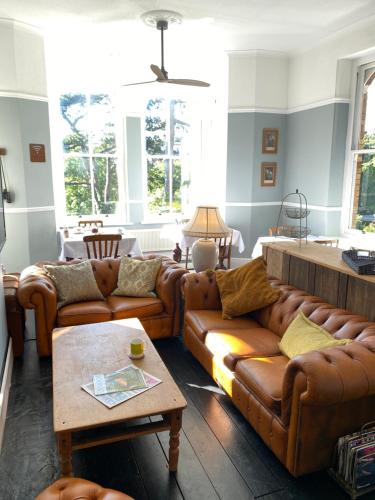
column 148, row 217
column 352, row 150
column 121, row 216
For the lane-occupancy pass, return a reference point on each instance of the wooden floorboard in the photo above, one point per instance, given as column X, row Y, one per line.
column 220, row 454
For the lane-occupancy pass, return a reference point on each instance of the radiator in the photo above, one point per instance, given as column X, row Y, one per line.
column 150, row 240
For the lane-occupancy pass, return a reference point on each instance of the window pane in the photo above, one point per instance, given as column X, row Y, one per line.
column 105, row 185
column 156, row 144
column 77, row 186
column 73, row 109
column 102, row 126
column 364, row 193
column 154, row 123
column 156, row 104
column 158, row 186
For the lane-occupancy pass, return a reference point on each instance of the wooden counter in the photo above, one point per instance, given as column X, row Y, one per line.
column 319, row 270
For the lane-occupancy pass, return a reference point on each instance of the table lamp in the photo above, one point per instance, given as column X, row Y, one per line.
column 206, row 223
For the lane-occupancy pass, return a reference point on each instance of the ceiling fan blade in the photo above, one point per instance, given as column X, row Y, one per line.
column 137, row 83
column 184, row 81
column 158, row 72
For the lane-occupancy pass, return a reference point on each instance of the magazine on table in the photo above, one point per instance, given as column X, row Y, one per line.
column 129, row 378
column 115, row 398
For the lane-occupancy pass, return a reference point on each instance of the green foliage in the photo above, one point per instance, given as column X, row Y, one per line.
column 77, row 186
column 154, row 123
column 155, row 145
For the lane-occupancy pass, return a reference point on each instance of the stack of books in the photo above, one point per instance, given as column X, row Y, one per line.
column 116, row 387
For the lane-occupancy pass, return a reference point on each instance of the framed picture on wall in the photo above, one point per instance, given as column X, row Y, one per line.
column 268, row 174
column 270, row 140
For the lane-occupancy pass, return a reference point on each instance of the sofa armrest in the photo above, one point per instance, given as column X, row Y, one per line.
column 168, row 284
column 37, row 291
column 200, row 291
column 331, row 376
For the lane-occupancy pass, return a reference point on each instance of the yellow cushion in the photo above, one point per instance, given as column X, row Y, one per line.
column 302, row 335
column 245, row 289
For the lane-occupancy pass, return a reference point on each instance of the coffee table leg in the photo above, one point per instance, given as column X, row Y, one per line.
column 174, row 439
column 64, row 444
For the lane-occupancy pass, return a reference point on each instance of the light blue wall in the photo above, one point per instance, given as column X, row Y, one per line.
column 244, row 175
column 31, row 229
column 134, row 168
column 311, row 157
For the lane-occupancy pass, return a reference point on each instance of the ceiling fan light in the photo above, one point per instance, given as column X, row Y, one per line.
column 152, row 17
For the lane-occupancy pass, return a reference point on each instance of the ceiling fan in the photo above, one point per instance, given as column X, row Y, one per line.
column 160, row 20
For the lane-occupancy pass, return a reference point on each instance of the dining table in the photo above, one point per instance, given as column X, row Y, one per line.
column 73, row 246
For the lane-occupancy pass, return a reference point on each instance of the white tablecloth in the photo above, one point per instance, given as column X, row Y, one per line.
column 257, row 250
column 74, row 247
column 174, row 233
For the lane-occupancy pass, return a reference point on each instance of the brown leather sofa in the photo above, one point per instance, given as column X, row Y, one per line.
column 301, row 406
column 160, row 316
column 74, row 488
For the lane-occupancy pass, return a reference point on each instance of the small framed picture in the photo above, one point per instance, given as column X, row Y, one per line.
column 268, row 174
column 270, row 140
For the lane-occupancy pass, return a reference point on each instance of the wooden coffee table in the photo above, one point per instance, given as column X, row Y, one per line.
column 78, row 352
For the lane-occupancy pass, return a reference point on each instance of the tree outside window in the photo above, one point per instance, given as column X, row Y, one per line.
column 167, row 132
column 90, row 154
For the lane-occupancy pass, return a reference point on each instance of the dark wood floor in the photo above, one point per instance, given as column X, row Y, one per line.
column 220, row 455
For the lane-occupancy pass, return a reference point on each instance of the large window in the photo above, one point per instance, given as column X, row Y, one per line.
column 167, row 138
column 90, row 154
column 363, row 151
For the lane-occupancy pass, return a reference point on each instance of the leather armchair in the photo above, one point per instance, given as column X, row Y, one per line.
column 73, row 488
column 160, row 317
column 299, row 407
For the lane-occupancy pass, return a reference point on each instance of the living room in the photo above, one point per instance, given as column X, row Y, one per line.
column 299, row 70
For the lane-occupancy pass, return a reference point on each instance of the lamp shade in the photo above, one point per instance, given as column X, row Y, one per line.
column 206, row 223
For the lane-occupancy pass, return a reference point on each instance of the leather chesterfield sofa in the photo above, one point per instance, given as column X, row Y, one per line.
column 74, row 488
column 160, row 316
column 301, row 406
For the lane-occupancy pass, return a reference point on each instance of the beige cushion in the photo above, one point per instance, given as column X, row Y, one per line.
column 303, row 335
column 136, row 278
column 74, row 283
column 245, row 289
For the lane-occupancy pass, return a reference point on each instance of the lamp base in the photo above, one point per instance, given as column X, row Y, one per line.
column 204, row 254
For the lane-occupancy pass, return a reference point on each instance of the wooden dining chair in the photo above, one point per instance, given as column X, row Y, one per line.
column 102, row 245
column 90, row 223
column 225, row 251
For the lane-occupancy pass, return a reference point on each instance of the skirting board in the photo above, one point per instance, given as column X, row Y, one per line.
column 5, row 387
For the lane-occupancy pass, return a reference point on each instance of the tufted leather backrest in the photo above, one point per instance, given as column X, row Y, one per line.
column 339, row 322
column 106, row 271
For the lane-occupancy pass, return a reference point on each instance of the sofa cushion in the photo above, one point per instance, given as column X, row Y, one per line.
column 74, row 283
column 130, row 307
column 264, row 377
column 84, row 312
column 233, row 345
column 245, row 289
column 136, row 278
column 203, row 320
column 303, row 336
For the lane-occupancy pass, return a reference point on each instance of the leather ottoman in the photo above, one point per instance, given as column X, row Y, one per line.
column 15, row 313
column 74, row 488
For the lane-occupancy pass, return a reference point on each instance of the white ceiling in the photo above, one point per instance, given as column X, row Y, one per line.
column 282, row 25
